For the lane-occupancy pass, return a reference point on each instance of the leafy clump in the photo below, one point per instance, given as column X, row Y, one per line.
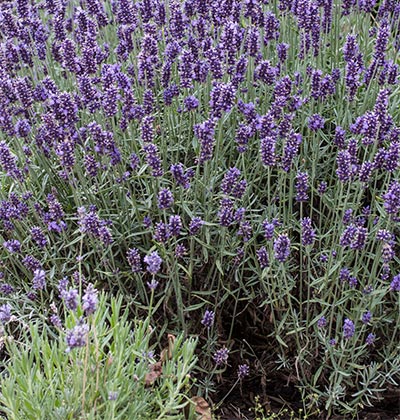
column 111, row 372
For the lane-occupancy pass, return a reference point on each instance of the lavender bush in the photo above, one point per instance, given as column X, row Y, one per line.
column 94, row 368
column 233, row 164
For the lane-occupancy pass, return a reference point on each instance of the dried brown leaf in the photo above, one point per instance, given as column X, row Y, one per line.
column 155, row 372
column 202, row 408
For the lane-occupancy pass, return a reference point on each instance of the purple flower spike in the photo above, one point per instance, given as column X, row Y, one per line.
column 348, row 328
column 5, row 313
column 392, row 198
column 267, row 151
column 282, row 248
column 243, row 371
column 71, row 299
column 38, row 237
column 39, row 279
column 395, row 284
column 134, row 260
column 12, row 245
column 90, row 300
column 77, row 337
column 316, row 122
column 370, row 339
column 262, row 256
column 165, row 199
column 221, row 356
column 153, row 262
column 322, row 322
column 175, row 225
column 307, row 232
column 195, row 225
column 208, row 318
column 366, row 317
column 302, row 186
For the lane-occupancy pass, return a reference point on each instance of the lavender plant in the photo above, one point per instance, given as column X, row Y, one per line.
column 94, row 367
column 236, row 162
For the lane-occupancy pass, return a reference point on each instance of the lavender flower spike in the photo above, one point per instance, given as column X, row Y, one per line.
column 208, row 318
column 90, row 300
column 153, row 262
column 348, row 328
column 77, row 336
column 282, row 248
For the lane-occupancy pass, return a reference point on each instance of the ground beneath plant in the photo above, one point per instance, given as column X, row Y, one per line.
column 279, row 400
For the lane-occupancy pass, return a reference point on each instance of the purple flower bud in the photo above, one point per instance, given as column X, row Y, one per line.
column 231, row 184
column 147, row 129
column 153, row 159
column 340, row 137
column 322, row 187
column 271, row 27
column 269, row 229
column 384, row 235
column 387, row 253
column 222, row 98
column 245, row 230
column 134, row 161
column 152, row 285
column 90, row 223
column 56, row 321
column 226, row 212
column 290, row 150
column 266, row 72
column 147, row 222
column 344, row 166
column 191, row 103
column 112, row 395
column 6, row 289
column 205, row 133
column 353, row 282
column 181, row 177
